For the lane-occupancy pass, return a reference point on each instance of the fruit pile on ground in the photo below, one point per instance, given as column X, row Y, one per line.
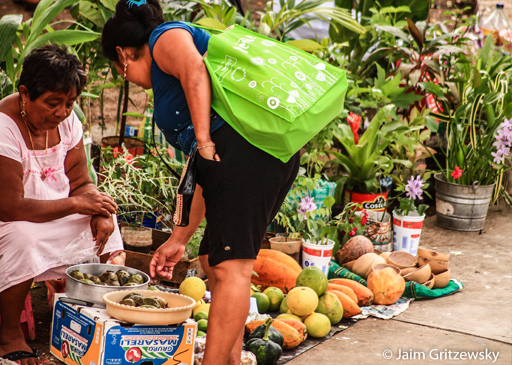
column 312, row 304
column 195, row 288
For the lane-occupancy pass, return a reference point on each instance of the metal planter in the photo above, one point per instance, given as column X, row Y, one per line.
column 462, row 207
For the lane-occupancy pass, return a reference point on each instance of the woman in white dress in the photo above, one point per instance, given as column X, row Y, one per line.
column 47, row 198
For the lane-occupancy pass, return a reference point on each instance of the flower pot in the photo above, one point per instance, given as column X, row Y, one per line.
column 137, row 239
column 379, row 231
column 317, row 255
column 368, row 201
column 407, row 232
column 289, row 246
column 462, row 207
column 135, row 146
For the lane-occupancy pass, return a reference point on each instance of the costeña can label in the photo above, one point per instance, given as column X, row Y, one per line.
column 375, row 202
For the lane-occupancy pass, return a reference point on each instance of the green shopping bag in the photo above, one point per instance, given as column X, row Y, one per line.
column 276, row 96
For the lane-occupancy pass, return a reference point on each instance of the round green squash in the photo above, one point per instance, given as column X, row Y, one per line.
column 267, row 351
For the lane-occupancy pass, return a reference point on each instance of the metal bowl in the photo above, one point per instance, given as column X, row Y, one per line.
column 94, row 293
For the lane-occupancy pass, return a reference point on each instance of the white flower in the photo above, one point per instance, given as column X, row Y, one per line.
column 257, row 61
column 273, row 102
column 320, row 66
column 320, row 76
column 299, row 75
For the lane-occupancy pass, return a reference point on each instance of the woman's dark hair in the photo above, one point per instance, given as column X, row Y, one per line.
column 130, row 27
column 52, row 68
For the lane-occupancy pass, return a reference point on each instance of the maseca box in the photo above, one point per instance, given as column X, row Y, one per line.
column 89, row 336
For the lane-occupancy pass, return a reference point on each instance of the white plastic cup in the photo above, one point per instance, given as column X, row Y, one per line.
column 317, row 255
column 407, row 232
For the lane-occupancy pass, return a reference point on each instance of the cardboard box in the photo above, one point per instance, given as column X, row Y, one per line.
column 89, row 336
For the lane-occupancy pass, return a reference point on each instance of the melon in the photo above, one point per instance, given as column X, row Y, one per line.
column 302, row 301
column 313, row 278
column 318, row 325
column 330, row 305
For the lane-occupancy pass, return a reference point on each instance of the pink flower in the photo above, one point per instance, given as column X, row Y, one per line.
column 354, row 121
column 457, row 172
column 129, row 159
column 170, row 152
column 116, row 152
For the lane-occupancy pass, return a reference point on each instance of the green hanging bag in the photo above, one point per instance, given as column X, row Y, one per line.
column 275, row 95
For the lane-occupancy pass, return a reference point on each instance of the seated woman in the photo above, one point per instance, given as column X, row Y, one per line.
column 48, row 199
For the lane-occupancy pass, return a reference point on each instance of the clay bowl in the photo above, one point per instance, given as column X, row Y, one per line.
column 402, row 259
column 420, row 275
column 349, row 265
column 430, row 282
column 437, row 267
column 385, row 256
column 433, row 255
column 377, row 261
column 407, row 270
column 442, row 280
column 364, row 263
column 383, row 266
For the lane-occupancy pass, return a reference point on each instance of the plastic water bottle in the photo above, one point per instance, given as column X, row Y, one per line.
column 496, row 24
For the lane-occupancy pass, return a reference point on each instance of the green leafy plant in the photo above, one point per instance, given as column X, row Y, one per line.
column 20, row 38
column 477, row 134
column 294, row 14
column 138, row 185
column 299, row 215
column 365, row 161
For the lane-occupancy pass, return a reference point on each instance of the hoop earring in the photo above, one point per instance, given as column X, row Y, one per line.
column 125, row 67
column 23, row 110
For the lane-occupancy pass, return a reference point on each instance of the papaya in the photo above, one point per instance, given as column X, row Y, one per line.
column 363, row 294
column 343, row 289
column 350, row 308
column 291, row 336
column 298, row 325
column 275, row 268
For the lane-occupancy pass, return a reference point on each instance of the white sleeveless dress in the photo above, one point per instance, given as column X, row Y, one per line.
column 40, row 250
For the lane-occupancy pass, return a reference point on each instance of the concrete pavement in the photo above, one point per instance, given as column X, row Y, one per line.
column 476, row 321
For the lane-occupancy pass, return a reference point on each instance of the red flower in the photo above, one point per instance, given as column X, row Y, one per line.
column 129, row 159
column 353, row 232
column 354, row 121
column 170, row 152
column 364, row 220
column 116, row 152
column 457, row 172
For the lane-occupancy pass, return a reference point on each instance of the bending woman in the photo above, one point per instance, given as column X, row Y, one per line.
column 48, row 199
column 240, row 187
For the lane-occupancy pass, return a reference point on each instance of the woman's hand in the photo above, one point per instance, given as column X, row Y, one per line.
column 101, row 227
column 209, row 153
column 93, row 202
column 165, row 258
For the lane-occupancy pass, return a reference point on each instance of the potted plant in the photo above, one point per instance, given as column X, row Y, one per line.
column 408, row 217
column 299, row 215
column 476, row 144
column 142, row 188
column 364, row 159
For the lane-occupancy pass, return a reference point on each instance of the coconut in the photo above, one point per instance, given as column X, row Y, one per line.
column 353, row 249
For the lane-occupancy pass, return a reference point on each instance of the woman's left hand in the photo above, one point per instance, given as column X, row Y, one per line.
column 101, row 227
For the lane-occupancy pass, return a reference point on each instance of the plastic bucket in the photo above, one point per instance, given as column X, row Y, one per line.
column 317, row 255
column 378, row 230
column 406, row 232
column 290, row 246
